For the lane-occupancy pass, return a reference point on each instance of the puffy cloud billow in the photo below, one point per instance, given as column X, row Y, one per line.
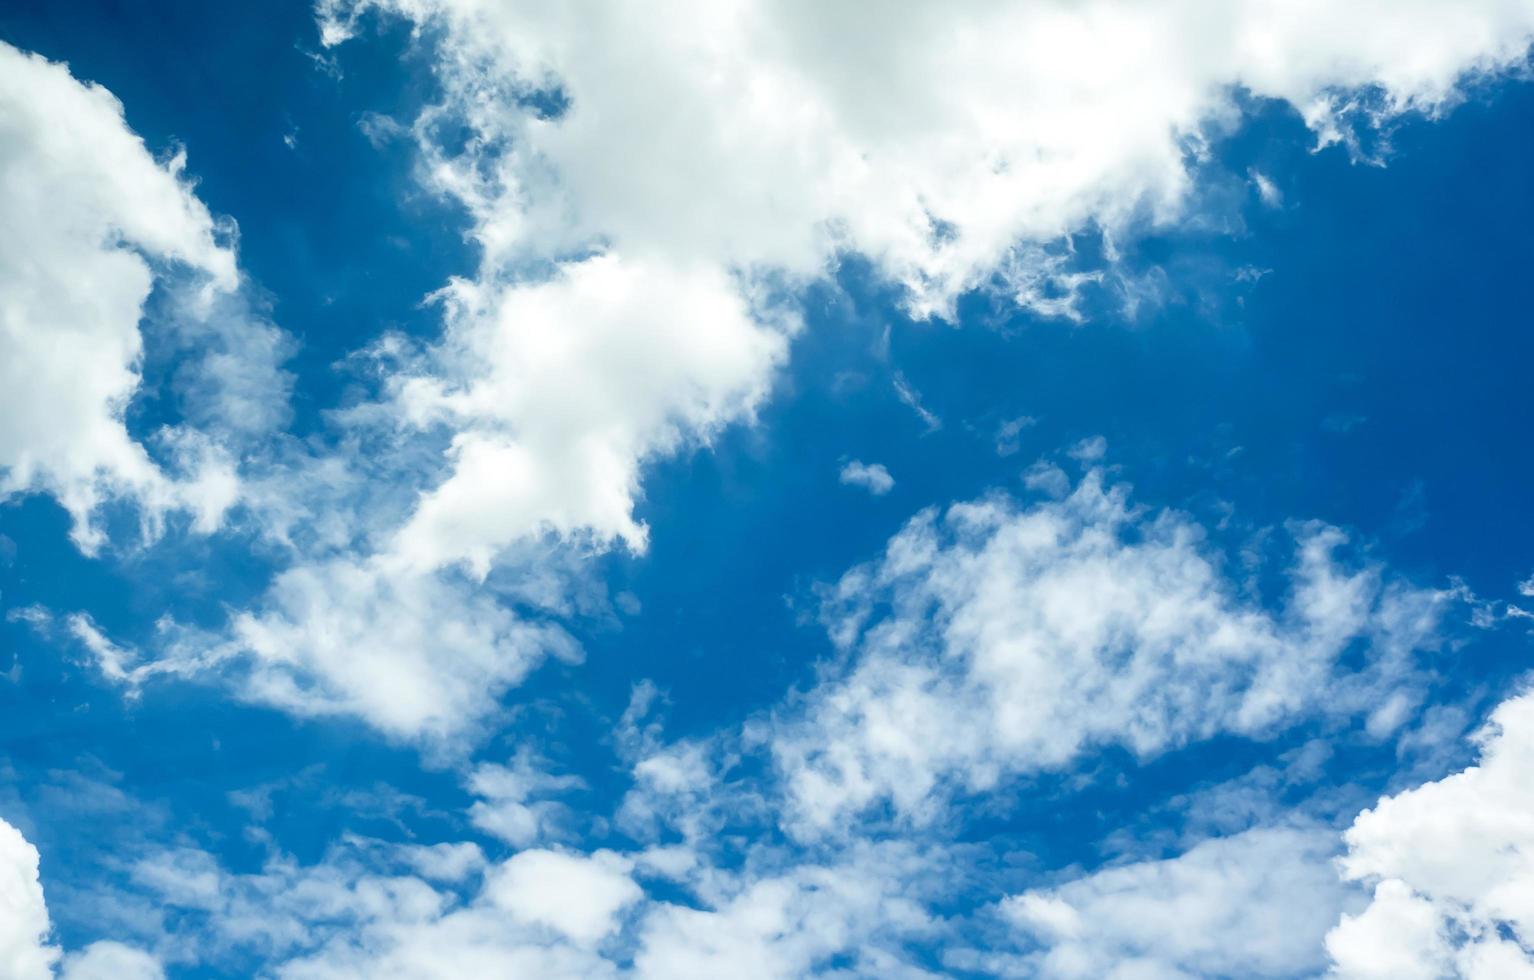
column 90, row 223
column 933, row 139
column 995, row 639
column 652, row 190
column 1452, row 867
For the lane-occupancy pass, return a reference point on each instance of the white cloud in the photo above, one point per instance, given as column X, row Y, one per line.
column 792, row 922
column 443, row 862
column 89, row 223
column 558, row 391
column 579, row 896
column 1089, row 450
column 279, row 911
column 24, row 950
column 418, row 655
column 638, row 240
column 108, row 960
column 911, row 398
column 424, row 588
column 1266, row 189
column 1009, row 433
column 368, row 908
column 1256, row 904
column 774, row 135
column 1396, row 938
column 872, row 477
column 1453, row 866
column 623, row 313
column 538, row 913
column 513, row 802
column 560, row 915
column 1018, row 638
column 115, row 662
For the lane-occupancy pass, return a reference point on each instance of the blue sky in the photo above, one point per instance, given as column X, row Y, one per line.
column 1017, row 490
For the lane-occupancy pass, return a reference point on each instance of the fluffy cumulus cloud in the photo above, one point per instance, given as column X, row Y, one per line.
column 417, row 655
column 641, row 246
column 1452, row 865
column 557, row 391
column 424, row 604
column 90, row 222
column 107, row 960
column 539, row 913
column 774, row 134
column 995, row 638
column 620, row 313
column 649, row 187
column 24, row 950
column 366, row 911
column 854, row 914
column 1177, row 919
column 873, row 477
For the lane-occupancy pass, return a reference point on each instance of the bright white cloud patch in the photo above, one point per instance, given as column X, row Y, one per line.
column 543, row 913
column 872, row 477
column 639, row 240
column 1257, row 904
column 89, row 221
column 513, row 802
column 623, row 312
column 775, row 134
column 577, row 896
column 111, row 961
column 558, row 391
column 419, row 655
column 795, row 923
column 650, row 185
column 1452, row 863
column 24, row 950
column 537, row 914
column 1018, row 638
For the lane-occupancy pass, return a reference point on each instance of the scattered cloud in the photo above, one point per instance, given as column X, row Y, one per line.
column 107, row 960
column 97, row 224
column 1009, row 434
column 434, row 542
column 801, row 146
column 872, row 477
column 911, row 398
column 1180, row 917
column 24, row 950
column 1452, row 867
column 1267, row 191
column 993, row 638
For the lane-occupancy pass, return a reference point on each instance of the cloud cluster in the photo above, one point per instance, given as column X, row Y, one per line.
column 640, row 247
column 90, row 224
column 994, row 639
column 556, row 392
column 1452, row 865
column 649, row 186
column 368, row 909
column 24, row 951
column 934, row 141
column 1177, row 919
column 873, row 477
